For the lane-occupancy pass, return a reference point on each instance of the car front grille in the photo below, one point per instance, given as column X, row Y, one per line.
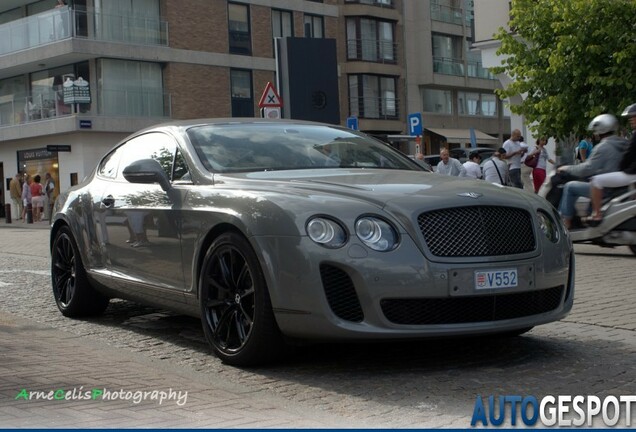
column 459, row 310
column 341, row 294
column 477, row 231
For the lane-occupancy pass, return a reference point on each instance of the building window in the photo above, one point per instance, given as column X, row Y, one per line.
column 241, row 91
column 437, row 101
column 447, row 55
column 370, row 40
column 282, row 24
column 314, row 26
column 131, row 88
column 477, row 104
column 373, row 96
column 129, row 21
column 239, row 29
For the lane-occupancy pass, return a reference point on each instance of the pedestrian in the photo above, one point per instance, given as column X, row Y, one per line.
column 26, row 197
column 449, row 166
column 624, row 177
column 514, row 152
column 539, row 171
column 496, row 169
column 526, row 171
column 49, row 190
column 37, row 198
column 472, row 167
column 15, row 190
column 584, row 149
column 419, row 159
column 606, row 158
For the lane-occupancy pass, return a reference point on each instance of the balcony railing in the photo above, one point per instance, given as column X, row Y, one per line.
column 380, row 3
column 374, row 108
column 448, row 66
column 447, row 14
column 24, row 108
column 371, row 50
column 476, row 70
column 62, row 23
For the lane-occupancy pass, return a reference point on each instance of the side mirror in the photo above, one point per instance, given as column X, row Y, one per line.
column 147, row 171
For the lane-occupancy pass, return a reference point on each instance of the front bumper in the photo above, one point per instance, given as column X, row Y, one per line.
column 356, row 293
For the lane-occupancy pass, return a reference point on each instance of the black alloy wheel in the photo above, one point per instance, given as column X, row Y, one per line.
column 72, row 291
column 236, row 309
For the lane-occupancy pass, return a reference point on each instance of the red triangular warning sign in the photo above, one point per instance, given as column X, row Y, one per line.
column 270, row 98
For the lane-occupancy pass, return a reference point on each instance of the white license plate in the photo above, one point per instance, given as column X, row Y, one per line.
column 496, row 279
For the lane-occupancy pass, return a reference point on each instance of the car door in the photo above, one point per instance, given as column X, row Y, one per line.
column 142, row 224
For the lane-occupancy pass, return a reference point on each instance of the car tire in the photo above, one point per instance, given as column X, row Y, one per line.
column 73, row 293
column 236, row 310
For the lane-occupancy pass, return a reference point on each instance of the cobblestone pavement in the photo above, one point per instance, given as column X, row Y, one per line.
column 400, row 385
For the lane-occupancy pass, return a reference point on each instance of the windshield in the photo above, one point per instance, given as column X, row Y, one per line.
column 280, row 146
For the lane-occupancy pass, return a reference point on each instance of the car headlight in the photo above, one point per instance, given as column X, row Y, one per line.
column 548, row 226
column 326, row 232
column 376, row 233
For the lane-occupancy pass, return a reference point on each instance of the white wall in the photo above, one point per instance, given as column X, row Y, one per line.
column 86, row 150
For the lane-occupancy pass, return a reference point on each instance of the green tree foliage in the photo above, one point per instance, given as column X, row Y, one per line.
column 570, row 60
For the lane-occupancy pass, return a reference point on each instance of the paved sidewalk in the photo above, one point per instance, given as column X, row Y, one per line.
column 36, row 358
column 21, row 224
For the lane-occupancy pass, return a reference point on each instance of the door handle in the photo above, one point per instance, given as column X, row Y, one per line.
column 108, row 201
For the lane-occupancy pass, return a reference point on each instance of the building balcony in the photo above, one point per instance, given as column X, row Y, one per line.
column 447, row 14
column 448, row 66
column 476, row 70
column 63, row 23
column 32, row 109
column 379, row 3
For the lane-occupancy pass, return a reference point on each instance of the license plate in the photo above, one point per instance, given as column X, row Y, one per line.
column 496, row 279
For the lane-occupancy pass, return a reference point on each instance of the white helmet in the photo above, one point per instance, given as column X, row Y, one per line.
column 603, row 124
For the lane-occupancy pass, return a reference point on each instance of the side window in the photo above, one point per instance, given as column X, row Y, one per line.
column 153, row 145
column 108, row 166
column 180, row 171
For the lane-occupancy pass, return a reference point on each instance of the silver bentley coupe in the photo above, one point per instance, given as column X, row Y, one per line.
column 278, row 232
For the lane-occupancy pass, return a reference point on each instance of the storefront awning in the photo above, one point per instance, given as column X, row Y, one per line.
column 462, row 136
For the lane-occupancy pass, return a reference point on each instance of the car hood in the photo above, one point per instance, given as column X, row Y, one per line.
column 398, row 191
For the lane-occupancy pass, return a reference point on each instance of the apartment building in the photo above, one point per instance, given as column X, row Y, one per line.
column 446, row 80
column 77, row 78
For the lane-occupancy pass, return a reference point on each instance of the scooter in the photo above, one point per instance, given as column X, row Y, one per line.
column 618, row 227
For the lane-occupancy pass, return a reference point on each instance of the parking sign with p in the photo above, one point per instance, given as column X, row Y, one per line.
column 415, row 123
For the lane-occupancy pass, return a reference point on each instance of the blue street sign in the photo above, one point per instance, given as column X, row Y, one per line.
column 352, row 122
column 473, row 138
column 415, row 123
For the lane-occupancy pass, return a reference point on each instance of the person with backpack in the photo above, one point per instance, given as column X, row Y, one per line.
column 495, row 170
column 584, row 149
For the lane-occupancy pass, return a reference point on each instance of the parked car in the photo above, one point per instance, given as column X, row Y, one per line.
column 432, row 160
column 463, row 153
column 274, row 232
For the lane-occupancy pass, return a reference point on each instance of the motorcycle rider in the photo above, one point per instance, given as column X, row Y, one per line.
column 605, row 158
column 624, row 177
